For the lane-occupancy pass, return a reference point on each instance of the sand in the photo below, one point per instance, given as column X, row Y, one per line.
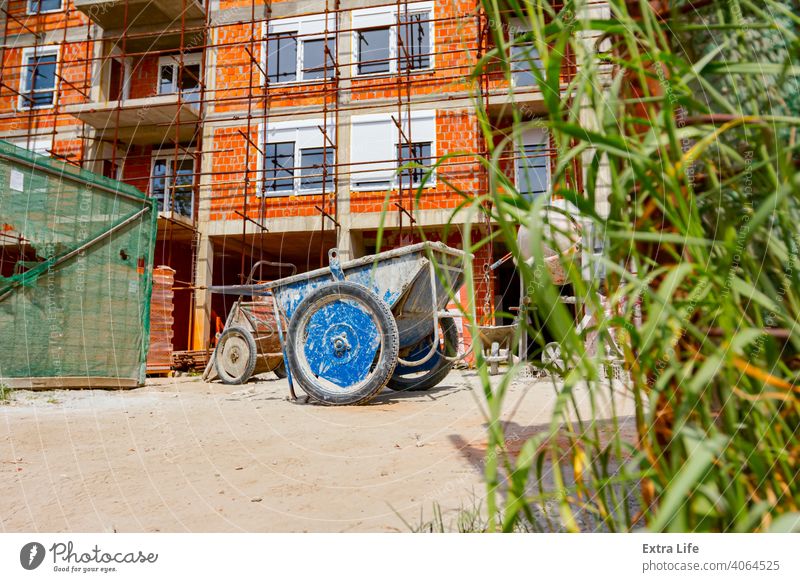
column 180, row 455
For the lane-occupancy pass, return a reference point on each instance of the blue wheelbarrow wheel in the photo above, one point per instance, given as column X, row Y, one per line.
column 434, row 370
column 342, row 344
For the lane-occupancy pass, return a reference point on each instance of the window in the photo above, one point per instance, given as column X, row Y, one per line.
column 316, row 60
column 279, row 167
column 533, row 169
column 38, row 78
column 185, row 80
column 296, row 49
column 298, row 158
column 419, row 153
column 40, row 6
column 282, row 58
column 40, row 145
column 523, row 58
column 316, row 168
column 172, row 184
column 373, row 51
column 388, row 42
column 377, row 150
column 414, row 42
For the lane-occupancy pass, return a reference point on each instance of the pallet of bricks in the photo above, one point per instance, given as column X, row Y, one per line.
column 159, row 357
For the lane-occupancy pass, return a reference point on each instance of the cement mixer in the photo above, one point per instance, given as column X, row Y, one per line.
column 561, row 236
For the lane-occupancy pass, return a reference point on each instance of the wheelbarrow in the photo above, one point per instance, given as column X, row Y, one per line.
column 358, row 326
column 251, row 328
column 493, row 338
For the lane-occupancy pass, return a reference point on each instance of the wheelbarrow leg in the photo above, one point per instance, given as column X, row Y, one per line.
column 277, row 312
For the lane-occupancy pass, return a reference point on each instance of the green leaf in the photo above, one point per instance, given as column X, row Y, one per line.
column 702, row 453
column 786, row 523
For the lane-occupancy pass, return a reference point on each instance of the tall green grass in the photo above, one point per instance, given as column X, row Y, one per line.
column 685, row 127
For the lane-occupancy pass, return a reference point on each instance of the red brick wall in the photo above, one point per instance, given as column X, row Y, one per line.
column 144, row 77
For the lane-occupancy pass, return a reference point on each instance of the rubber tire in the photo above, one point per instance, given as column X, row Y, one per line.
column 436, row 375
column 252, row 357
column 388, row 357
column 280, row 371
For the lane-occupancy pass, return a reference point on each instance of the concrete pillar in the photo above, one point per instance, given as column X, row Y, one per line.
column 204, row 271
column 204, row 265
column 349, row 248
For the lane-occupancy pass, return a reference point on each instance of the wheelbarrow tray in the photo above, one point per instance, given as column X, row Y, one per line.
column 414, row 281
column 501, row 334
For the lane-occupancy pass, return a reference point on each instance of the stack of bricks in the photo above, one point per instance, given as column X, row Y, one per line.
column 159, row 355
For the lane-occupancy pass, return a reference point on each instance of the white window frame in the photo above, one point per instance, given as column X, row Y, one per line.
column 304, row 28
column 285, row 128
column 37, row 51
column 382, row 17
column 517, row 24
column 39, row 144
column 30, row 12
column 394, row 183
column 529, row 137
column 175, row 62
column 172, row 155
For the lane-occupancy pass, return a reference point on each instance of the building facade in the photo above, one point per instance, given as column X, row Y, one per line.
column 276, row 130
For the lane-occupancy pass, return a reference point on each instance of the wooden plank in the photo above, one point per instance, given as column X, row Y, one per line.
column 69, row 382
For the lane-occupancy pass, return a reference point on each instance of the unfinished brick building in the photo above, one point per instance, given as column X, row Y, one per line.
column 271, row 130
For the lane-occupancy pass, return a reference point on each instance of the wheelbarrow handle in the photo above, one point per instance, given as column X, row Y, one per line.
column 497, row 264
column 258, row 264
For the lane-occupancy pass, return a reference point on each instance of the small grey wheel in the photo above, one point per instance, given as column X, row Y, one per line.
column 436, row 369
column 235, row 356
column 280, row 371
column 551, row 356
column 494, row 364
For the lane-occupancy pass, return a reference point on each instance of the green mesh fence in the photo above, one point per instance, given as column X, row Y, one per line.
column 77, row 273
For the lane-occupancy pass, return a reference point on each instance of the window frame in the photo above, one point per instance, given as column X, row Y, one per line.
column 516, row 72
column 428, row 19
column 171, row 157
column 392, row 56
column 519, row 29
column 398, row 182
column 40, row 144
column 293, row 27
column 425, row 8
column 174, row 62
column 298, row 146
column 526, row 141
column 30, row 12
column 265, row 188
column 301, row 57
column 277, row 36
column 359, row 184
column 24, row 94
column 325, row 152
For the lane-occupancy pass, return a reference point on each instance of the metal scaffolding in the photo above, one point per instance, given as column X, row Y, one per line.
column 89, row 55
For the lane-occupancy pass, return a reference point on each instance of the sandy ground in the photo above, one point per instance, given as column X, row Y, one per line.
column 181, row 455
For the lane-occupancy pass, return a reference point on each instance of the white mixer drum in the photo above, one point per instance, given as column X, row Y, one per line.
column 561, row 237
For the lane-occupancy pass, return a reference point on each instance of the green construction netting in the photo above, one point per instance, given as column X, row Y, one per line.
column 77, row 271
